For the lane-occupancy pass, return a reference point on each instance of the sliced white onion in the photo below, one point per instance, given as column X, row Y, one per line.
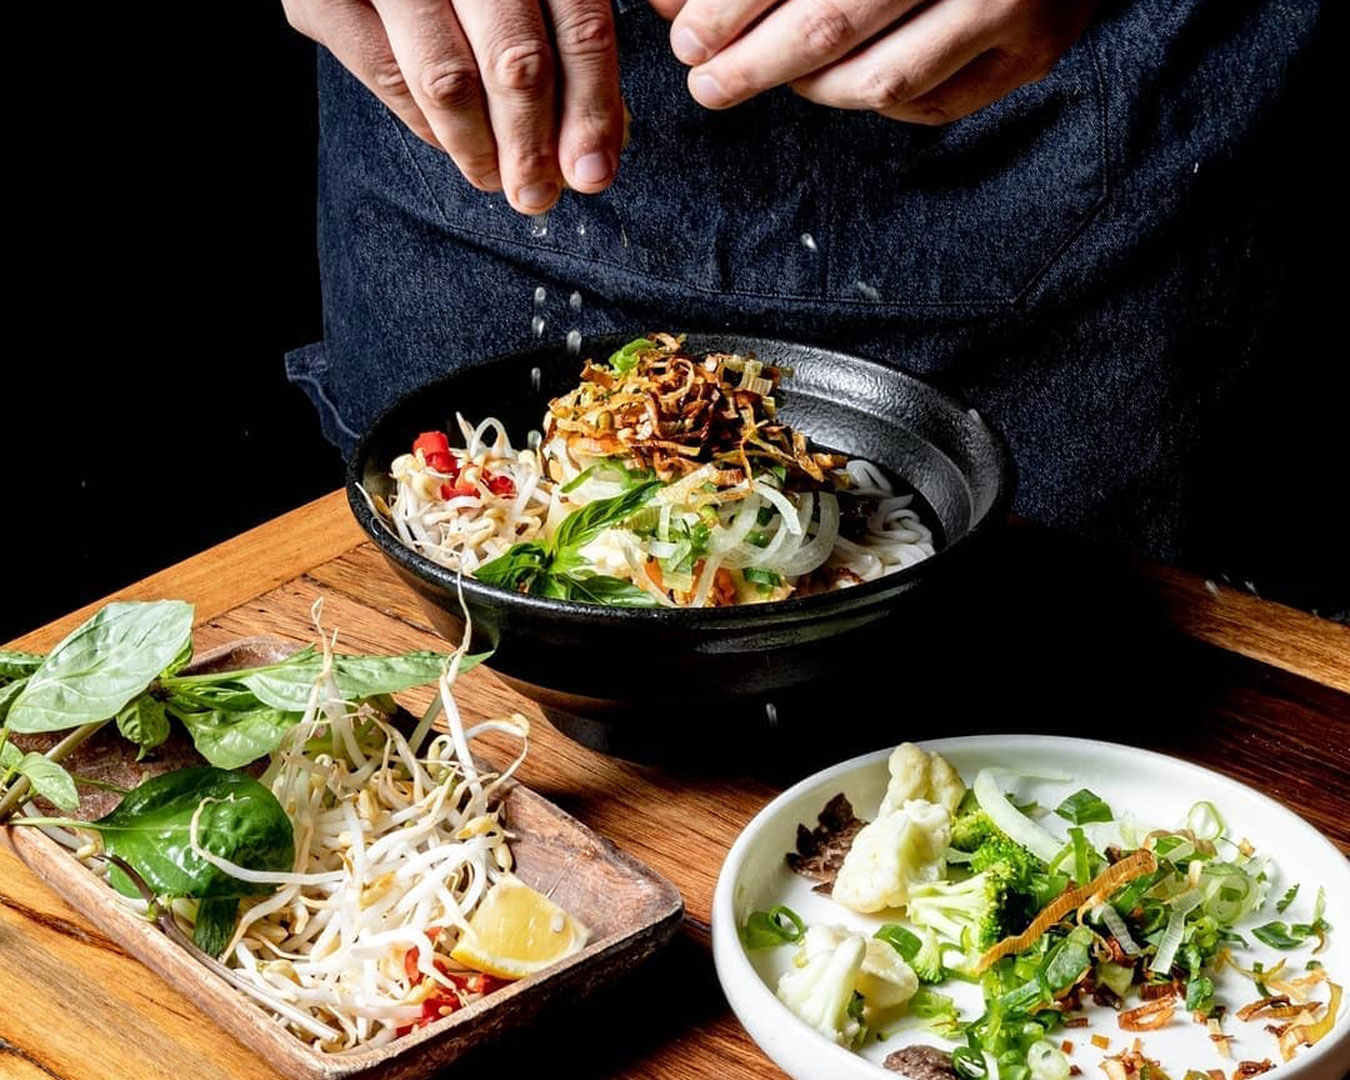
column 729, row 536
column 814, row 554
column 782, row 503
column 1012, row 821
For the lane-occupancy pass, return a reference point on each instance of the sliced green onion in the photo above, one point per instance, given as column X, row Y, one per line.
column 1018, row 827
column 624, row 360
column 970, row 1063
column 905, row 942
column 1082, row 862
column 1278, row 936
column 1083, row 806
column 757, row 576
column 1176, row 926
column 1119, row 977
column 1200, row 994
column 1204, row 820
column 779, row 925
column 1047, row 1061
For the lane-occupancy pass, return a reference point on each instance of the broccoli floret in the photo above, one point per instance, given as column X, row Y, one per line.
column 1021, row 863
column 975, row 912
column 972, row 827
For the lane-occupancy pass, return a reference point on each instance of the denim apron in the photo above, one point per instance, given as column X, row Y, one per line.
column 1075, row 261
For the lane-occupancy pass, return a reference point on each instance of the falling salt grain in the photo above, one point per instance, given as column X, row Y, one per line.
column 533, row 439
column 535, row 378
column 867, row 290
column 557, row 923
column 574, row 301
column 537, row 325
column 623, row 236
column 540, row 295
column 1211, row 587
column 573, row 342
column 581, row 229
column 809, row 242
column 1196, row 169
column 539, row 224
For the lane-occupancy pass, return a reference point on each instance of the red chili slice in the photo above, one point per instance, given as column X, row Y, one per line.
column 500, row 485
column 431, row 442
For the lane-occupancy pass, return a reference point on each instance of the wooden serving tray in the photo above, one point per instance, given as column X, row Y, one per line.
column 630, row 910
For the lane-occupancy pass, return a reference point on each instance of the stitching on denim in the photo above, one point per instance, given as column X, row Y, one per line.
column 1094, row 211
column 322, row 394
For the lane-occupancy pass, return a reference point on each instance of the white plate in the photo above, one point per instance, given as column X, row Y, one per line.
column 1157, row 790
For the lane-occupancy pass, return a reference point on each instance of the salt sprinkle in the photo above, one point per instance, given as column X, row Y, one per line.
column 540, row 295
column 809, row 242
column 867, row 290
column 537, row 325
column 573, row 342
column 574, row 301
column 539, row 224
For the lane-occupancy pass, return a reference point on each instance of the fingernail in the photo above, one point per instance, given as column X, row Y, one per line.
column 593, row 168
column 538, row 196
column 709, row 91
column 687, row 46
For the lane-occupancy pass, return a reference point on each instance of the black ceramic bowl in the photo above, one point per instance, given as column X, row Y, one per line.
column 637, row 680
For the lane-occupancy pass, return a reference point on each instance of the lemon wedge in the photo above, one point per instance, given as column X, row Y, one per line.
column 517, row 931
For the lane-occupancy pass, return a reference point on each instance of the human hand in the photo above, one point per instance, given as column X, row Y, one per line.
column 518, row 109
column 925, row 63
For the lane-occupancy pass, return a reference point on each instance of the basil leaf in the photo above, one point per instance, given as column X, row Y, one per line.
column 48, row 779
column 1083, row 806
column 214, row 925
column 1278, row 935
column 603, row 589
column 9, row 694
column 623, row 360
column 288, row 686
column 230, row 739
column 145, row 723
column 102, row 665
column 1283, row 903
column 515, row 568
column 151, row 831
column 17, row 665
column 583, row 525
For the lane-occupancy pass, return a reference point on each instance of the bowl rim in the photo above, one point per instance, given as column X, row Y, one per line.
column 791, row 610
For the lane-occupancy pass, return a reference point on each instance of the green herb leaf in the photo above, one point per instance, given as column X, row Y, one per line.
column 18, row 665
column 623, row 360
column 145, row 723
column 1288, row 898
column 1083, row 806
column 230, row 739
column 288, row 686
column 215, row 924
column 1278, row 936
column 49, row 779
column 778, row 926
column 102, row 665
column 603, row 589
column 9, row 694
column 243, row 823
column 583, row 525
column 515, row 568
column 765, row 579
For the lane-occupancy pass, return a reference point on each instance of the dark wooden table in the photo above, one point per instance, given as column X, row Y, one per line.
column 1249, row 688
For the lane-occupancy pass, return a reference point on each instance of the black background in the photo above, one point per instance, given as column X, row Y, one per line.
column 174, row 250
column 163, row 262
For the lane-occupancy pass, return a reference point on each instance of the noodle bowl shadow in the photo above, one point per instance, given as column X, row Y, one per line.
column 617, row 679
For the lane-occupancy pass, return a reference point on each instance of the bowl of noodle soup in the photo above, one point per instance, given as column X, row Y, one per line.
column 615, row 676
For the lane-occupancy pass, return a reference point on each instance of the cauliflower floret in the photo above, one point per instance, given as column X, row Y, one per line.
column 917, row 774
column 891, row 854
column 821, row 990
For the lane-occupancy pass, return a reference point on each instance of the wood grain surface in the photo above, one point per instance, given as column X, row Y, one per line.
column 1256, row 691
